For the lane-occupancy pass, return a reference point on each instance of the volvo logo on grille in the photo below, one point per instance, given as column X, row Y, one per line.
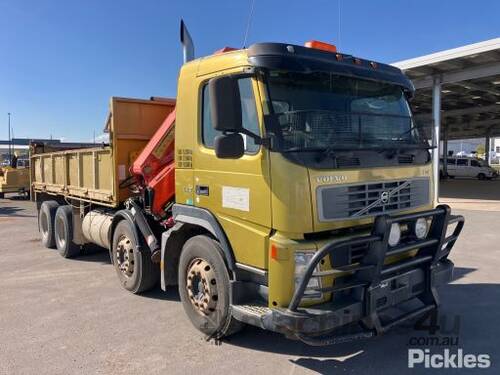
column 384, row 197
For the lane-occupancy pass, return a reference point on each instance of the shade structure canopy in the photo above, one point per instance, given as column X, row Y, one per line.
column 468, row 79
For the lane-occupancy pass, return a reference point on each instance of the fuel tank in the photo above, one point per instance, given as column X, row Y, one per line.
column 95, row 227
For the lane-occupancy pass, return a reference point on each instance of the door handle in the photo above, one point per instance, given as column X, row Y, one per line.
column 201, row 190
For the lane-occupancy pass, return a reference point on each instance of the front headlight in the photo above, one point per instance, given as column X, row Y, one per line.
column 302, row 259
column 420, row 228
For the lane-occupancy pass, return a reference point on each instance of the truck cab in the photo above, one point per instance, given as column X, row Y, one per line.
column 308, row 164
column 15, row 179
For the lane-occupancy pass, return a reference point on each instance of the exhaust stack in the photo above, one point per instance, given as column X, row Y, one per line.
column 187, row 43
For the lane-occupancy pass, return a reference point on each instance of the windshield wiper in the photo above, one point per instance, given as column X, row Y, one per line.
column 407, row 146
column 413, row 127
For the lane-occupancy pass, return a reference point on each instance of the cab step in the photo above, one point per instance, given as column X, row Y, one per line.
column 254, row 313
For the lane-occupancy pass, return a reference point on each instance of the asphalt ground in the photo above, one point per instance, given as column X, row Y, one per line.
column 60, row 316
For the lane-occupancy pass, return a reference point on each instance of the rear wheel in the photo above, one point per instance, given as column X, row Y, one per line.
column 63, row 232
column 136, row 271
column 204, row 288
column 46, row 217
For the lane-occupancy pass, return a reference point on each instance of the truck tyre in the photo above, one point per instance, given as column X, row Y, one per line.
column 136, row 271
column 46, row 216
column 204, row 288
column 63, row 232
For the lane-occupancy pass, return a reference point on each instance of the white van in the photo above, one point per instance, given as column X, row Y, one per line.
column 467, row 167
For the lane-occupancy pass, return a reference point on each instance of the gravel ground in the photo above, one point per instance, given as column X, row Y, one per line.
column 60, row 316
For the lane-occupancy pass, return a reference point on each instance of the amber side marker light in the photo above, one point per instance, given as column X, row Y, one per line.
column 274, row 252
column 321, row 46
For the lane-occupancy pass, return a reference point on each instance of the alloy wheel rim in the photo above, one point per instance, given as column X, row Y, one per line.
column 125, row 256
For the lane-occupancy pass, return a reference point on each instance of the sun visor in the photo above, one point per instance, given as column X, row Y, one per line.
column 277, row 56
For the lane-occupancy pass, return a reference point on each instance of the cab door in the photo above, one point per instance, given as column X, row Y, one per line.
column 236, row 191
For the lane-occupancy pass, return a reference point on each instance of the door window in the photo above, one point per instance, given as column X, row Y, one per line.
column 462, row 162
column 248, row 112
column 474, row 163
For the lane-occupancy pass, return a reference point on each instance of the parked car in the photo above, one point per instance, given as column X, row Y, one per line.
column 467, row 167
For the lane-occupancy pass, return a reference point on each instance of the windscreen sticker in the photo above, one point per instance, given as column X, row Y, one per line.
column 236, row 198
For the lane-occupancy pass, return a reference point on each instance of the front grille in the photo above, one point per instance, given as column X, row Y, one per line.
column 370, row 199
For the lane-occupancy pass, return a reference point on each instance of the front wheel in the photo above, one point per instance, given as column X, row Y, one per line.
column 136, row 271
column 204, row 288
column 481, row 176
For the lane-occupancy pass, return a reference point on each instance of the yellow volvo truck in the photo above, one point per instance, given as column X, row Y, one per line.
column 303, row 196
column 15, row 180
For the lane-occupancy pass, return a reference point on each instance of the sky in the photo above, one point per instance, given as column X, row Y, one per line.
column 61, row 60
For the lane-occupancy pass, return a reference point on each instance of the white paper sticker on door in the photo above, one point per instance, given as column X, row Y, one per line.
column 236, row 198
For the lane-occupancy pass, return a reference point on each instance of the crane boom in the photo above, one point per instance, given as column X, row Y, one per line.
column 154, row 168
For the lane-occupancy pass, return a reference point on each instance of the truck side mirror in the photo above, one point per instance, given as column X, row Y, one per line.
column 225, row 104
column 229, row 146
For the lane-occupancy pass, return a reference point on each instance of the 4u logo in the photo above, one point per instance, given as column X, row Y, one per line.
column 444, row 324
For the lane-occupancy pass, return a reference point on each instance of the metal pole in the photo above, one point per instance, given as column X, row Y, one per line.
column 487, row 146
column 10, row 146
column 436, row 115
column 445, row 152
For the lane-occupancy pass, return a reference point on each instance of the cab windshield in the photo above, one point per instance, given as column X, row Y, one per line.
column 325, row 111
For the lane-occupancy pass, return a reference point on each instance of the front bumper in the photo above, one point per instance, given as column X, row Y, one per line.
column 372, row 287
